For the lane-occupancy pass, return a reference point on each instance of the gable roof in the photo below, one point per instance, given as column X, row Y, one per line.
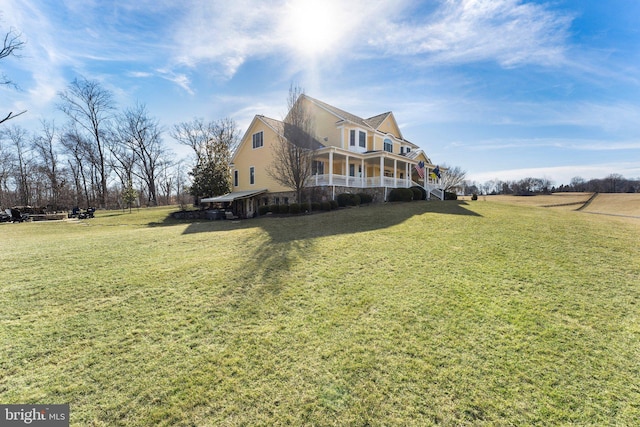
column 341, row 114
column 376, row 121
column 372, row 123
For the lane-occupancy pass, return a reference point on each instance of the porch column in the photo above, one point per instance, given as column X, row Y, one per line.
column 381, row 171
column 426, row 174
column 395, row 172
column 330, row 167
column 406, row 174
column 347, row 171
column 362, row 175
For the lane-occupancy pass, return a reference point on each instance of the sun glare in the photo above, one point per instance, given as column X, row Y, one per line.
column 311, row 26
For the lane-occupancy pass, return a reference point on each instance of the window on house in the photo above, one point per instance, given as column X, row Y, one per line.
column 235, row 178
column 352, row 170
column 286, row 200
column 277, row 200
column 401, row 150
column 258, row 140
column 408, row 150
column 352, row 138
column 317, row 168
column 363, row 139
column 252, row 175
column 388, row 145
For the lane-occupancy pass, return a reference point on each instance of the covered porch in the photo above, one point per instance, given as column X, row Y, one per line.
column 337, row 167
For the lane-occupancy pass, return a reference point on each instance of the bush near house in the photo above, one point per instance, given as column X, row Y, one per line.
column 315, row 206
column 417, row 194
column 334, row 204
column 365, row 198
column 450, row 196
column 400, row 195
column 283, row 209
column 295, row 208
column 348, row 199
column 325, row 206
column 263, row 210
column 423, row 192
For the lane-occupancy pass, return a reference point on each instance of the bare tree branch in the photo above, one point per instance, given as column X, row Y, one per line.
column 294, row 153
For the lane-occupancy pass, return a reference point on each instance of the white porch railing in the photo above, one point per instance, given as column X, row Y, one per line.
column 358, row 182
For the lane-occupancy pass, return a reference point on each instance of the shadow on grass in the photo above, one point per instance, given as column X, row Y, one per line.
column 342, row 221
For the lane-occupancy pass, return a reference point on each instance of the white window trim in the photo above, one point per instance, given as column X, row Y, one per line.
column 252, row 179
column 356, row 147
column 261, row 140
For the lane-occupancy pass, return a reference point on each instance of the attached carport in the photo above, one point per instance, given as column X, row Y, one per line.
column 242, row 204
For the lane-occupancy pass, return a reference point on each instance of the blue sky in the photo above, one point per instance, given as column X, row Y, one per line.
column 505, row 89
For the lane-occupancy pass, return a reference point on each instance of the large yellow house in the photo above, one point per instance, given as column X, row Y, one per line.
column 352, row 155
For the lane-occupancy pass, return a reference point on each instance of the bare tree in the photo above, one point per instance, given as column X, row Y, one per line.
column 213, row 144
column 89, row 106
column 78, row 155
column 12, row 43
column 44, row 146
column 7, row 165
column 452, row 178
column 141, row 135
column 294, row 152
column 17, row 136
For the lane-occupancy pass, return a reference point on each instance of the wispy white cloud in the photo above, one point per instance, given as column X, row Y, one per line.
column 509, row 32
column 560, row 174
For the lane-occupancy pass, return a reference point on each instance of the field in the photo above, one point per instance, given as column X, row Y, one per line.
column 423, row 313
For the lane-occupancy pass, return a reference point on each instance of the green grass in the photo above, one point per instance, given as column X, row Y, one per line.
column 424, row 313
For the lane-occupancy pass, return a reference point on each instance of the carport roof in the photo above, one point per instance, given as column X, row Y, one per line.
column 230, row 197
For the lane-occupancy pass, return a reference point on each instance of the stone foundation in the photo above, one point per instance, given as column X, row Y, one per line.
column 321, row 194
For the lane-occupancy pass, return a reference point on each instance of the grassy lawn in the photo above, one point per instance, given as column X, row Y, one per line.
column 425, row 313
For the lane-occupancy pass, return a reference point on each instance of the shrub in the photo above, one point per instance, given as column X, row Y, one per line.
column 365, row 198
column 423, row 193
column 325, row 206
column 315, row 206
column 263, row 210
column 450, row 196
column 417, row 194
column 400, row 195
column 274, row 208
column 283, row 209
column 334, row 204
column 474, row 196
column 348, row 199
column 295, row 208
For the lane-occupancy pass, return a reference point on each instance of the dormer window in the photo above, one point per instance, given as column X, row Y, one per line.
column 388, row 145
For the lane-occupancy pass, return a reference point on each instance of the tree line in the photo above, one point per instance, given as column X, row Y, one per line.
column 105, row 157
column 613, row 183
column 109, row 158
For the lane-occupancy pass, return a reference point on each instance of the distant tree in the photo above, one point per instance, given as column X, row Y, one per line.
column 78, row 152
column 140, row 135
column 48, row 163
column 294, row 152
column 12, row 43
column 129, row 195
column 616, row 182
column 18, row 138
column 578, row 183
column 452, row 178
column 90, row 108
column 6, row 170
column 213, row 144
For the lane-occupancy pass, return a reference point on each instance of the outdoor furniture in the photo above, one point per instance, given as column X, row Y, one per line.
column 17, row 216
